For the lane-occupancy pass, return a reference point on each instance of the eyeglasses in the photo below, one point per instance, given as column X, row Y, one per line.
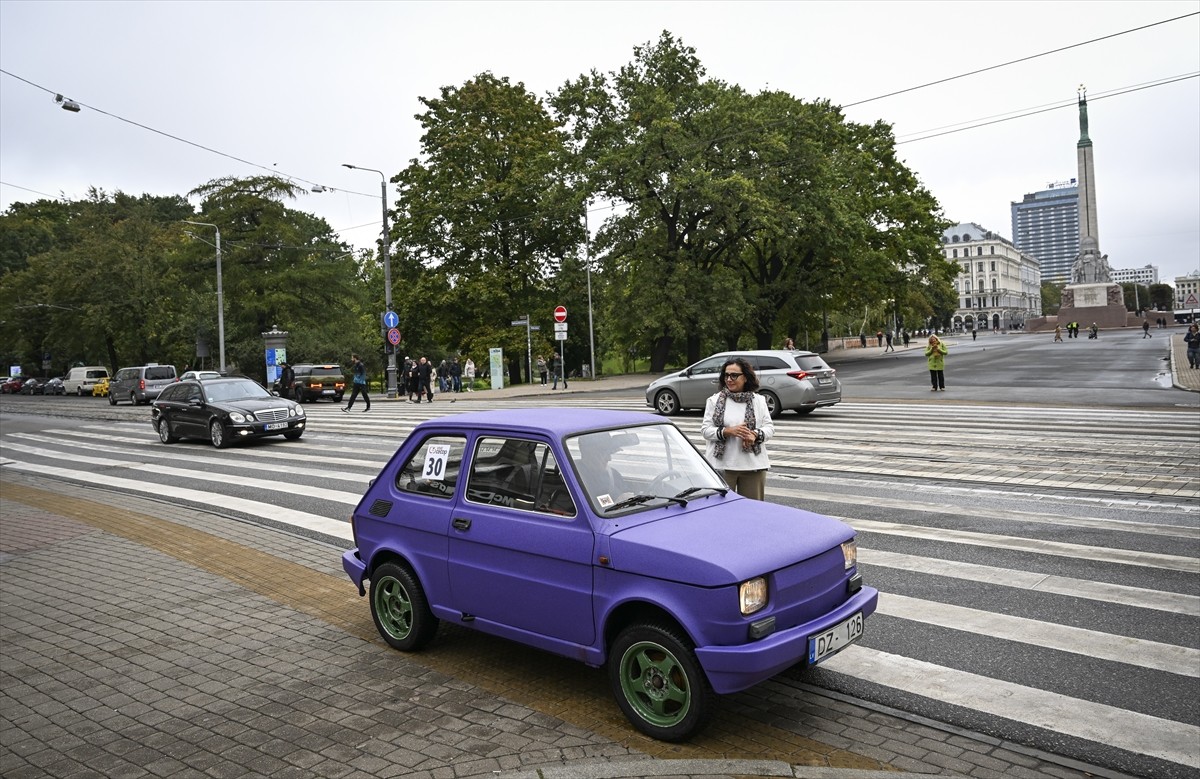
column 728, row 376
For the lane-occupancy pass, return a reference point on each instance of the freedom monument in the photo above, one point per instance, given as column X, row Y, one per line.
column 1091, row 296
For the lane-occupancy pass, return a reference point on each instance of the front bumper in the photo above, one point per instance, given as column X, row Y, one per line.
column 734, row 668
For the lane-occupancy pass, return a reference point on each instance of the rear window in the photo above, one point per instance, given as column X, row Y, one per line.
column 327, row 372
column 160, row 372
column 811, row 362
column 96, row 374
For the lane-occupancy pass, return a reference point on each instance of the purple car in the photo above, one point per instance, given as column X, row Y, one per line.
column 603, row 536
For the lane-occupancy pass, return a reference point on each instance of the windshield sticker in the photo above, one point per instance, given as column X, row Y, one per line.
column 605, row 500
column 435, row 462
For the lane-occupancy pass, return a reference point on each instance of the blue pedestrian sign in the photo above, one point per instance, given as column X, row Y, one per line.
column 391, row 320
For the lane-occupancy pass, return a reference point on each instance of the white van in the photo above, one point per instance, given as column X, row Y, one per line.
column 79, row 381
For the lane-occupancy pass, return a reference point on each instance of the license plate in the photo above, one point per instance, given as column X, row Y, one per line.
column 327, row 392
column 835, row 639
column 824, row 380
column 275, row 426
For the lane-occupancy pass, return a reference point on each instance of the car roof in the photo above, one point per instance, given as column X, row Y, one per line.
column 765, row 353
column 556, row 422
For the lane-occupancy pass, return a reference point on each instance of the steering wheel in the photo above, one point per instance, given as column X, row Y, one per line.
column 662, row 479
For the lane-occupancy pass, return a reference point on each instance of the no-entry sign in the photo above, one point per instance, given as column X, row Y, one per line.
column 560, row 314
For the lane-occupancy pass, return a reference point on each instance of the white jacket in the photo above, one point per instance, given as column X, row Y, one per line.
column 735, row 458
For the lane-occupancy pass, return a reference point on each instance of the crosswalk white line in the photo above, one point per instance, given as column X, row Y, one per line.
column 299, row 519
column 1035, row 545
column 1130, row 730
column 1104, row 646
column 1138, row 597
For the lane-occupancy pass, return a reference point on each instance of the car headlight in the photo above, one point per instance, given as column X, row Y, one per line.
column 297, row 411
column 238, row 417
column 850, row 553
column 752, row 595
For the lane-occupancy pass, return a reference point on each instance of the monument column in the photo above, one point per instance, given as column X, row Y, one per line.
column 1088, row 226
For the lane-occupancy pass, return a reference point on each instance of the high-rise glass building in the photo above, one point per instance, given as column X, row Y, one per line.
column 1045, row 226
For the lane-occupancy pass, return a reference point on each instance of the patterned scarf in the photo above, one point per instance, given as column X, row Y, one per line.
column 719, row 419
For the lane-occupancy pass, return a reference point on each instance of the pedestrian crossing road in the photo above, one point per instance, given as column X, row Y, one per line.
column 1038, row 567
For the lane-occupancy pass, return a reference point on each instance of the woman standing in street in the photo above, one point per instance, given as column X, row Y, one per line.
column 737, row 425
column 935, row 356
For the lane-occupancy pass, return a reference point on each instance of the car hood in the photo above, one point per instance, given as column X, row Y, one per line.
column 723, row 543
column 250, row 405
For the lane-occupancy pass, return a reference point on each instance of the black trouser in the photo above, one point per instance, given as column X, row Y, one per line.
column 359, row 389
column 938, row 379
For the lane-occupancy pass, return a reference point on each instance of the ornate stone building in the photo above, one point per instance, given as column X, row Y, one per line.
column 999, row 286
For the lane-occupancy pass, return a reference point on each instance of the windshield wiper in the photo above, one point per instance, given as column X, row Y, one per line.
column 637, row 500
column 694, row 490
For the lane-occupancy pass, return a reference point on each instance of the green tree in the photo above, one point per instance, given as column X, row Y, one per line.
column 484, row 219
column 1162, row 297
column 1051, row 297
column 280, row 267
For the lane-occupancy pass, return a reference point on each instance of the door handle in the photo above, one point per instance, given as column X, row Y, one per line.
column 461, row 523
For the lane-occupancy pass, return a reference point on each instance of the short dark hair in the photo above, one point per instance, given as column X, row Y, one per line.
column 751, row 384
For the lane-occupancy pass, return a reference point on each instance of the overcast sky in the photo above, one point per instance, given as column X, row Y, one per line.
column 301, row 87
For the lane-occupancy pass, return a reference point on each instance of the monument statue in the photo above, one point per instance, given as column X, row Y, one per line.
column 1091, row 267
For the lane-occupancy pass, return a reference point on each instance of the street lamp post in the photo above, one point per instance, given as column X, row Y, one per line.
column 220, row 291
column 387, row 275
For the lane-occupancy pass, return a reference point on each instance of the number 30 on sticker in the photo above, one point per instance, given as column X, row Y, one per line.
column 435, row 461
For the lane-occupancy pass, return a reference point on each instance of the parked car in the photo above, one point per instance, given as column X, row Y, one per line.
column 55, row 386
column 795, row 380
column 100, row 388
column 606, row 537
column 224, row 411
column 32, row 386
column 200, row 375
column 140, row 384
column 12, row 385
column 316, row 381
column 82, row 380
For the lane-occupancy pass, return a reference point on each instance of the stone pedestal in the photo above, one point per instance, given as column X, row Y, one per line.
column 1102, row 303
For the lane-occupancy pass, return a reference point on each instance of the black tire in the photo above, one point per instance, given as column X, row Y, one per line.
column 79, row 390
column 400, row 608
column 164, row 432
column 112, row 399
column 666, row 402
column 773, row 405
column 658, row 682
column 217, row 434
column 133, row 399
column 805, row 411
column 293, row 435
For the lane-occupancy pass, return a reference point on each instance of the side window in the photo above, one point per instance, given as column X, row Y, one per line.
column 194, row 394
column 709, row 366
column 766, row 363
column 518, row 474
column 435, row 468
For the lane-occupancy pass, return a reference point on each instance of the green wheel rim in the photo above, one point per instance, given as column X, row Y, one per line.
column 394, row 608
column 655, row 684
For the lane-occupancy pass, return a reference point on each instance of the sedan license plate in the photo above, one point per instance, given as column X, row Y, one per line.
column 835, row 639
column 275, row 426
column 824, row 380
column 327, row 392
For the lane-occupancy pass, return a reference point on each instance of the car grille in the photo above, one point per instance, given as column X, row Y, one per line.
column 272, row 415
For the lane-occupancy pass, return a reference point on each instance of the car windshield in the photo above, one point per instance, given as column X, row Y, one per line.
column 640, row 467
column 234, row 390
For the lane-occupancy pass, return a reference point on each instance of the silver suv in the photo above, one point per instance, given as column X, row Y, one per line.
column 141, row 384
column 800, row 381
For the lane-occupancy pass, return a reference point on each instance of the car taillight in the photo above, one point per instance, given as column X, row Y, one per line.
column 141, row 384
column 798, row 375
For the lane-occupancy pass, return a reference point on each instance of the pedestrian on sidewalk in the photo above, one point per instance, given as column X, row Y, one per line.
column 974, row 334
column 1146, row 329
column 358, row 384
column 424, row 379
column 543, row 371
column 1192, row 339
column 906, row 336
column 890, row 336
column 935, row 358
column 469, row 374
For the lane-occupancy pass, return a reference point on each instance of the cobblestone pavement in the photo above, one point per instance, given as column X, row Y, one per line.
column 140, row 639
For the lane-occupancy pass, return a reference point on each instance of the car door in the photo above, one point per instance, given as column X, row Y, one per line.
column 700, row 382
column 520, row 559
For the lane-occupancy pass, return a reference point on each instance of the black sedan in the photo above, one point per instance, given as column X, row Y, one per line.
column 224, row 411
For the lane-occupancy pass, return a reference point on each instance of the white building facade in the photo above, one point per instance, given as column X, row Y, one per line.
column 999, row 286
column 1187, row 297
column 1145, row 276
